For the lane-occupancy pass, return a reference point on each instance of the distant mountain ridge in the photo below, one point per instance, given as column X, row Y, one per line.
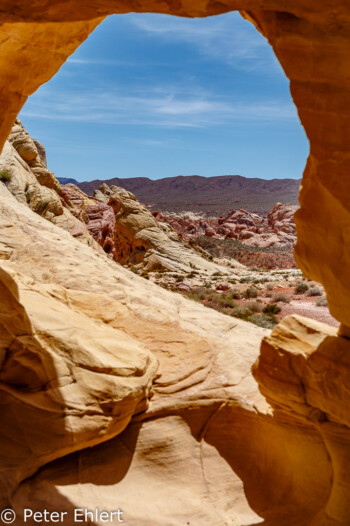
column 66, row 180
column 215, row 196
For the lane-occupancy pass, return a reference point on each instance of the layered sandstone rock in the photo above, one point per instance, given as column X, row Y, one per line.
column 129, row 234
column 77, row 333
column 67, row 381
column 31, row 183
column 303, row 370
column 114, row 218
column 96, row 215
column 276, row 230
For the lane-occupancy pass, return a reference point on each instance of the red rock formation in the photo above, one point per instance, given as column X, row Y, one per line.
column 277, row 230
column 97, row 215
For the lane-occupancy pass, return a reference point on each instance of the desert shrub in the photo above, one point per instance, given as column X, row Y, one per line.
column 254, row 306
column 250, row 292
column 280, row 297
column 235, row 294
column 226, row 302
column 241, row 312
column 179, row 278
column 245, row 280
column 263, row 320
column 322, row 302
column 5, row 176
column 314, row 291
column 301, row 287
column 202, row 293
column 272, row 308
column 270, row 286
column 263, row 280
column 268, row 294
column 217, row 273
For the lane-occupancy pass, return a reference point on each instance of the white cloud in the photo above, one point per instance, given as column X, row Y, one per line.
column 227, row 38
column 166, row 106
column 98, row 62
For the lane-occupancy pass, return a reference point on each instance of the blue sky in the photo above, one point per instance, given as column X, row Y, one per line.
column 159, row 96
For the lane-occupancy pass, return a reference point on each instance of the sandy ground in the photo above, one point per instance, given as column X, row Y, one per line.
column 310, row 310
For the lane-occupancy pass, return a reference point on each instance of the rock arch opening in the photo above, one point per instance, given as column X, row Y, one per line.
column 302, row 368
column 156, row 96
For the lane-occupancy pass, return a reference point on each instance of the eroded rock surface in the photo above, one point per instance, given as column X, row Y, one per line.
column 129, row 234
column 276, row 230
column 32, row 183
column 93, row 334
column 303, row 370
column 139, row 238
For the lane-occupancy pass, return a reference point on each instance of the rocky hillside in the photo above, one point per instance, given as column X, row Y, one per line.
column 129, row 233
column 212, row 196
column 255, row 240
column 112, row 220
column 276, row 230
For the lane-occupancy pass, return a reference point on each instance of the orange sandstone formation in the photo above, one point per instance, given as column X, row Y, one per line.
column 81, row 337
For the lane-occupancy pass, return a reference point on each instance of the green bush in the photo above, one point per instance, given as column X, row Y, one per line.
column 226, row 302
column 322, row 302
column 280, row 297
column 314, row 291
column 266, row 321
column 5, row 176
column 301, row 288
column 272, row 308
column 250, row 292
column 254, row 306
column 235, row 294
column 241, row 312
